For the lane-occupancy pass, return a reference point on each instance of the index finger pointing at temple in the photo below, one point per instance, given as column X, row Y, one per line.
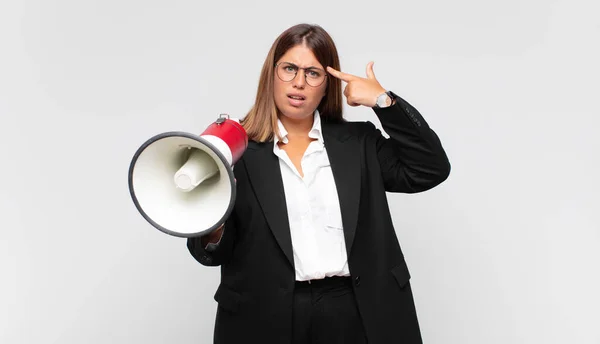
column 340, row 75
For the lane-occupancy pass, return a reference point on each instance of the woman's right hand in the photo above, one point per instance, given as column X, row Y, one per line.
column 213, row 237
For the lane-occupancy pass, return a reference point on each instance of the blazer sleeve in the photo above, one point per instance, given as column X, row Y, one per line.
column 220, row 253
column 412, row 159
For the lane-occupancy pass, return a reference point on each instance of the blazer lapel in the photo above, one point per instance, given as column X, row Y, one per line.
column 265, row 177
column 344, row 157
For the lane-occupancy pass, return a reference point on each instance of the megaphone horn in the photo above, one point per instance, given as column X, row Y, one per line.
column 183, row 184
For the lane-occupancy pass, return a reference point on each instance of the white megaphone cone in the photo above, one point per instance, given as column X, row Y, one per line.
column 183, row 184
column 197, row 169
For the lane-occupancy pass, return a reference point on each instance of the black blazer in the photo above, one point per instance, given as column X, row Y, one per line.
column 255, row 253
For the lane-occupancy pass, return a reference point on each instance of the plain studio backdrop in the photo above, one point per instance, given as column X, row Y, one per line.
column 505, row 251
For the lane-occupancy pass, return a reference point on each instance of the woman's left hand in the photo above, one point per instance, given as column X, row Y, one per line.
column 360, row 91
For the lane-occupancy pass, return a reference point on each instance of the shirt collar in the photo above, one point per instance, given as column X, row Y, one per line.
column 315, row 132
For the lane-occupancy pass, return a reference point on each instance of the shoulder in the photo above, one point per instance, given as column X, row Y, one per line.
column 257, row 145
column 347, row 129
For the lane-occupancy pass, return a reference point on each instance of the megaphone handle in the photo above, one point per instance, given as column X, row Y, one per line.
column 222, row 118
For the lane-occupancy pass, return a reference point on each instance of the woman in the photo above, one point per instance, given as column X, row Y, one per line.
column 309, row 253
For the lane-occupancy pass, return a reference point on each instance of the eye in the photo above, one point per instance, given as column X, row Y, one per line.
column 289, row 68
column 313, row 73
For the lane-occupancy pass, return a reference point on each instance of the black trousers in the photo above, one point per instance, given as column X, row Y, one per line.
column 325, row 312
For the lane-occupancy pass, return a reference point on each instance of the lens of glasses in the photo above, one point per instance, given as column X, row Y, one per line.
column 287, row 72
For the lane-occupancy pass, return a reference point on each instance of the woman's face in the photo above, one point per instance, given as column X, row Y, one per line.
column 297, row 99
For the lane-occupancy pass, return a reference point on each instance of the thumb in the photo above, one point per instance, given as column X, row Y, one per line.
column 370, row 73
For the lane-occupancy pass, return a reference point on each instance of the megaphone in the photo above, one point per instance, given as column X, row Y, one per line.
column 183, row 184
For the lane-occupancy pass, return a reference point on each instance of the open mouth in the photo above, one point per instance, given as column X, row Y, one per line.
column 296, row 100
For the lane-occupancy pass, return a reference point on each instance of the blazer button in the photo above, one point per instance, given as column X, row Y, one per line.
column 357, row 280
column 207, row 259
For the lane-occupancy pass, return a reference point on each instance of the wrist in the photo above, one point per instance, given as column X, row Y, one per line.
column 384, row 99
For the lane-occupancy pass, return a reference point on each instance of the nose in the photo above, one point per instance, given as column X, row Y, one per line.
column 299, row 80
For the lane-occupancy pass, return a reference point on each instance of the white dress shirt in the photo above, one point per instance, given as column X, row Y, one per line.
column 313, row 209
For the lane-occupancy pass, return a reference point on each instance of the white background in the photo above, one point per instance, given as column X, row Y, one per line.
column 505, row 251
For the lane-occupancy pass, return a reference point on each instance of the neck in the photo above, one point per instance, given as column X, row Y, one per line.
column 297, row 127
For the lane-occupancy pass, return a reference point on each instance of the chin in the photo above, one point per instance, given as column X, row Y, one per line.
column 297, row 112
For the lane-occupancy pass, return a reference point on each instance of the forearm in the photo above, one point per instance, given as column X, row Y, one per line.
column 412, row 159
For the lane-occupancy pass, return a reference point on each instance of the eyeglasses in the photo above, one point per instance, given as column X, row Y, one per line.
column 287, row 72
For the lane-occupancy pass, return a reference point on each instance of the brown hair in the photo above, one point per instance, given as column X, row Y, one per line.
column 261, row 121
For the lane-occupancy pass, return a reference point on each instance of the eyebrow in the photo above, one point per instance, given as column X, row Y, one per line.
column 295, row 65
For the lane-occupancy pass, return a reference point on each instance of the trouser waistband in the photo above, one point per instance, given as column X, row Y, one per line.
column 325, row 282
